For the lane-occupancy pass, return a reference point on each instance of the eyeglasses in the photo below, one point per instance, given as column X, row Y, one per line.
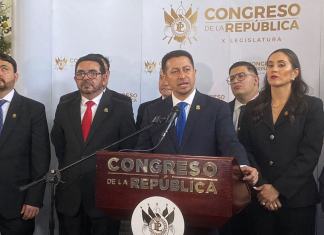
column 92, row 74
column 238, row 76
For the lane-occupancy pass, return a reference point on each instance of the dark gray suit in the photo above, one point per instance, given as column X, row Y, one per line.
column 321, row 186
column 24, row 155
column 113, row 120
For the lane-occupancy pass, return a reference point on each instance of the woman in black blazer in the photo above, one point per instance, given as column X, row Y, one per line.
column 282, row 131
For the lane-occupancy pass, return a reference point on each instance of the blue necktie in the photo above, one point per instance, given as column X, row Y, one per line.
column 1, row 114
column 181, row 121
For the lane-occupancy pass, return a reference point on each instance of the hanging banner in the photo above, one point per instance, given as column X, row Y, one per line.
column 136, row 34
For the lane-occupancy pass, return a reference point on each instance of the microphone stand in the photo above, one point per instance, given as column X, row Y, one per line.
column 53, row 177
column 170, row 122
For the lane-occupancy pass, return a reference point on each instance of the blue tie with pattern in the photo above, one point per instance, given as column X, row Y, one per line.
column 1, row 114
column 181, row 121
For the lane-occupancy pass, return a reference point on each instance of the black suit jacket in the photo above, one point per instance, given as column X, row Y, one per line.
column 209, row 130
column 24, row 155
column 113, row 120
column 321, row 186
column 286, row 153
column 232, row 105
column 141, row 108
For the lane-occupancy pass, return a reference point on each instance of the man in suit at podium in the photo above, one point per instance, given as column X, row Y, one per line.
column 244, row 81
column 90, row 119
column 203, row 127
column 24, row 154
column 164, row 90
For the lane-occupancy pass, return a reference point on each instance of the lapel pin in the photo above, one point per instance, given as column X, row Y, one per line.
column 286, row 113
column 14, row 115
column 198, row 107
column 106, row 110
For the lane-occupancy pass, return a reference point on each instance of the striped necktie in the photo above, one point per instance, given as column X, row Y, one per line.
column 181, row 121
column 2, row 102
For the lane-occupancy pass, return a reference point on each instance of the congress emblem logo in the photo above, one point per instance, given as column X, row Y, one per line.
column 180, row 25
column 157, row 216
column 60, row 63
column 150, row 66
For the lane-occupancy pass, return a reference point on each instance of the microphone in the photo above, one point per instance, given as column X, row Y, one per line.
column 170, row 120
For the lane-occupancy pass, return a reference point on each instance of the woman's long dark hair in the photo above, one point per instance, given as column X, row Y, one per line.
column 295, row 104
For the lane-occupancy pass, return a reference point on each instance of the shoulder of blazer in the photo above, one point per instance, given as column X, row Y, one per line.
column 206, row 100
column 148, row 103
column 313, row 100
column 69, row 96
column 25, row 101
column 119, row 96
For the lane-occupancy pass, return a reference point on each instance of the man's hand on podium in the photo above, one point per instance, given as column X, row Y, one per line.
column 251, row 174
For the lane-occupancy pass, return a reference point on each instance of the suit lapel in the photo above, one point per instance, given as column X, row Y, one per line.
column 103, row 111
column 232, row 105
column 267, row 118
column 193, row 116
column 75, row 117
column 282, row 116
column 13, row 115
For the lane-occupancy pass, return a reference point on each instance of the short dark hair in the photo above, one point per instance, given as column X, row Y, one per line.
column 176, row 53
column 92, row 57
column 246, row 64
column 104, row 59
column 10, row 60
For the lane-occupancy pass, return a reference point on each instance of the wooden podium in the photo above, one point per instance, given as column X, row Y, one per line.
column 208, row 190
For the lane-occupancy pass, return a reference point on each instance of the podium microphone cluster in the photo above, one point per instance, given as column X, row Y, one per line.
column 170, row 120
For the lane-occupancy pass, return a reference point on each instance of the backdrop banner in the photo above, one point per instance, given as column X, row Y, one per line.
column 136, row 34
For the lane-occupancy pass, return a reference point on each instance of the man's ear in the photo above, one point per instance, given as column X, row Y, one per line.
column 16, row 76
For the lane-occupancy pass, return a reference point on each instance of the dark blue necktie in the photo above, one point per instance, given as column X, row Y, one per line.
column 181, row 121
column 1, row 114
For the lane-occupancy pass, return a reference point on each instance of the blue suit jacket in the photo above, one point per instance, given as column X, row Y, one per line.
column 209, row 130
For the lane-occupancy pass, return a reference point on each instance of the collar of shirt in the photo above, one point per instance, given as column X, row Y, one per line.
column 9, row 96
column 236, row 113
column 188, row 100
column 5, row 106
column 83, row 105
column 237, row 105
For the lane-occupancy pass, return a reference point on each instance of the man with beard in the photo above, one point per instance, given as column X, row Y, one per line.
column 83, row 124
column 24, row 153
